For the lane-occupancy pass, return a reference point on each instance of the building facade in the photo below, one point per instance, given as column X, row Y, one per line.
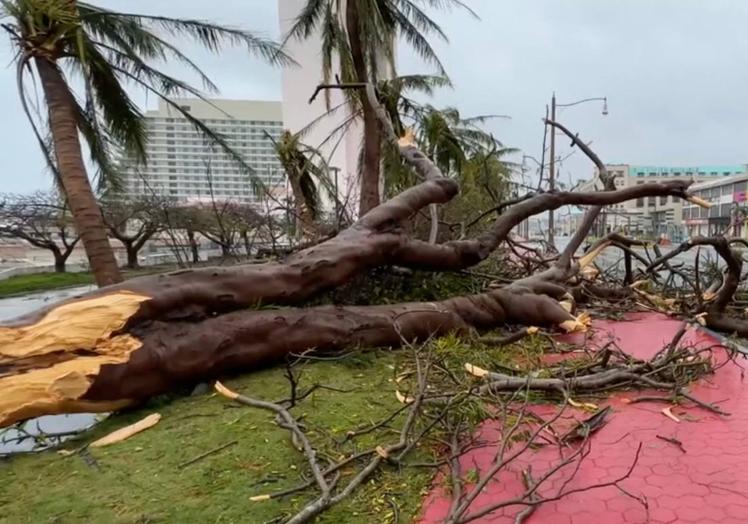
column 729, row 210
column 185, row 167
column 340, row 149
column 653, row 216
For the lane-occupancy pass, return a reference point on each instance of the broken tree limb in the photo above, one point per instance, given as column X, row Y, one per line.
column 152, row 334
column 112, row 369
column 127, row 432
column 713, row 306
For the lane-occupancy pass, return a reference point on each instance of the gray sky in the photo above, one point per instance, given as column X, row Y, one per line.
column 674, row 72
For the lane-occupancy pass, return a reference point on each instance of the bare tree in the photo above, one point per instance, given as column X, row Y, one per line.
column 132, row 221
column 43, row 220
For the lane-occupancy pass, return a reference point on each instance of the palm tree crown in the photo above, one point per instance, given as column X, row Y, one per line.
column 362, row 35
column 106, row 51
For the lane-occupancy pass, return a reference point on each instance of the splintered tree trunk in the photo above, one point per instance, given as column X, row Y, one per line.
column 80, row 197
column 119, row 345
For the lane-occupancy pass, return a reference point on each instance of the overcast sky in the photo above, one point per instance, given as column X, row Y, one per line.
column 675, row 73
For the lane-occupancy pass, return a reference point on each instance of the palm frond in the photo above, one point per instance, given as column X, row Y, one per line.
column 132, row 39
column 123, row 120
column 308, row 19
column 108, row 176
column 212, row 36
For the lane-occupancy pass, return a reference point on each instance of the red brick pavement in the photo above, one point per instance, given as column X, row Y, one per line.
column 706, row 484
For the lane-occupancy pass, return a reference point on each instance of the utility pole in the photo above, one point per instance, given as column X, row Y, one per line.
column 552, row 163
column 552, row 171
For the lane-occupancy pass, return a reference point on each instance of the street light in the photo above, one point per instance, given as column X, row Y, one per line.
column 552, row 164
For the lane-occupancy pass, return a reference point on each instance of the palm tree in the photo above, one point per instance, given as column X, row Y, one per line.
column 449, row 139
column 60, row 39
column 362, row 34
column 304, row 177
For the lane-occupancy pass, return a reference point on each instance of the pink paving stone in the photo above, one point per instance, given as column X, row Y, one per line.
column 708, row 483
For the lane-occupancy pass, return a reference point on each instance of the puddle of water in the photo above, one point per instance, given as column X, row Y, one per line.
column 12, row 440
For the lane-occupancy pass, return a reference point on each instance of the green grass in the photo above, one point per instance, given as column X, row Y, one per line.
column 139, row 480
column 22, row 284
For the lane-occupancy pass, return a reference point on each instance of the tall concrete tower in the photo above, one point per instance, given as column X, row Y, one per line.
column 341, row 152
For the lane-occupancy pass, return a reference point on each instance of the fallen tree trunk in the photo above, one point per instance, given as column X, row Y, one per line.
column 79, row 357
column 123, row 343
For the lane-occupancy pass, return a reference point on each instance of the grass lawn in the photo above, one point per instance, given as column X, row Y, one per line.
column 23, row 284
column 140, row 480
column 143, row 480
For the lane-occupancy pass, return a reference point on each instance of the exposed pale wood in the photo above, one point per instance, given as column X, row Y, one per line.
column 74, row 325
column 589, row 257
column 128, row 431
column 699, row 201
column 226, row 392
column 47, row 366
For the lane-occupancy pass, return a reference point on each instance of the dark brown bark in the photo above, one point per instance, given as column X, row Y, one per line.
column 124, row 343
column 369, row 195
column 190, row 325
column 377, row 239
column 132, row 255
column 60, row 261
column 80, row 197
column 117, row 367
column 714, row 312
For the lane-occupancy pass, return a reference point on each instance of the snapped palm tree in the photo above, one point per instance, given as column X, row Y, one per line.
column 105, row 50
column 304, row 177
column 396, row 97
column 362, row 34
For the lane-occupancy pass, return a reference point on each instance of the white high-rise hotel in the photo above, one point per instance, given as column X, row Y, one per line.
column 184, row 166
column 341, row 152
column 178, row 153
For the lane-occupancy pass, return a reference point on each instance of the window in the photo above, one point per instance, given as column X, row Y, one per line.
column 727, row 189
column 185, row 108
column 677, row 173
column 663, row 200
column 724, row 210
column 740, row 187
column 686, row 213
